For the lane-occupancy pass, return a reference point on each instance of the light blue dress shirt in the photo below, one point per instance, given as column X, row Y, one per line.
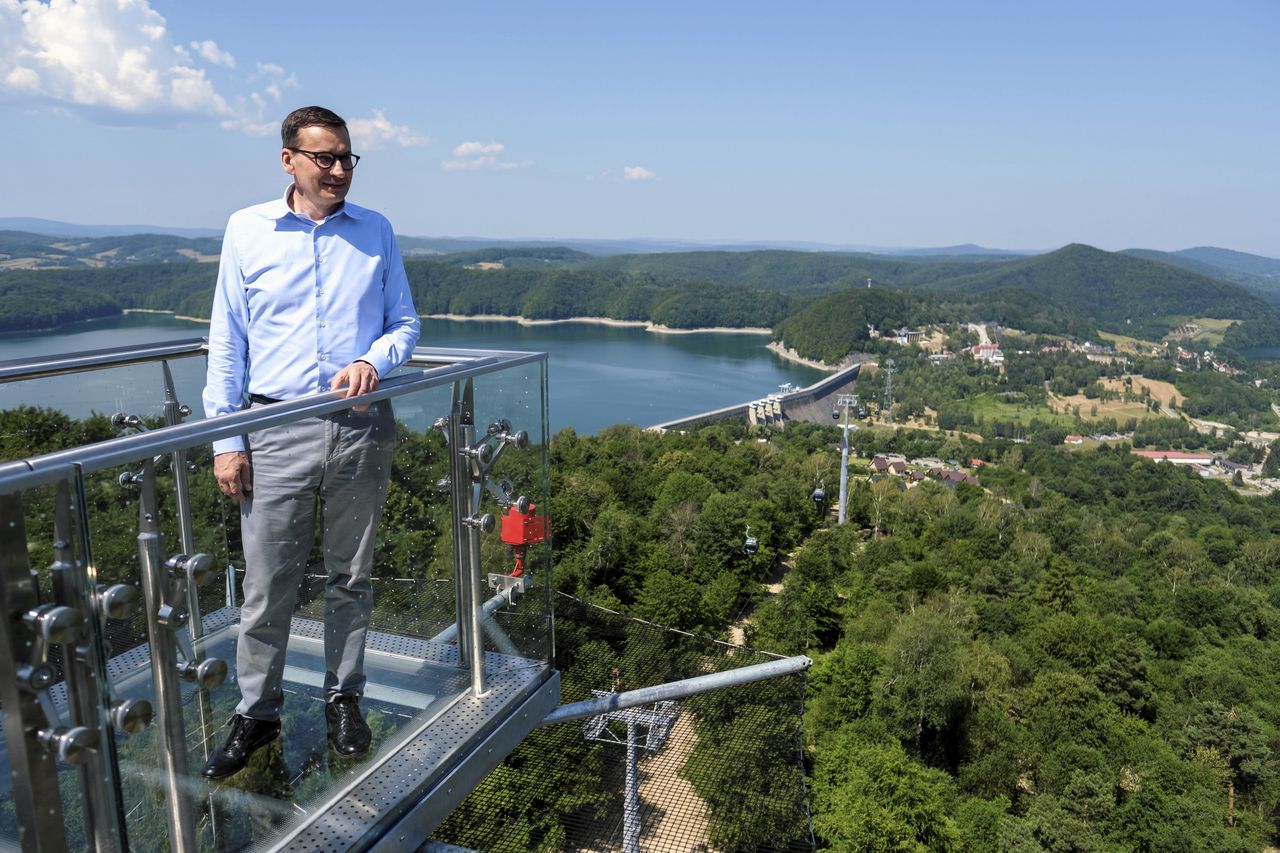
column 298, row 300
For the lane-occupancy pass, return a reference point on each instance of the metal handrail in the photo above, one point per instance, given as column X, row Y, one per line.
column 61, row 364
column 41, row 470
column 19, row 369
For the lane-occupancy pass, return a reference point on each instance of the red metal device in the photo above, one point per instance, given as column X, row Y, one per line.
column 522, row 529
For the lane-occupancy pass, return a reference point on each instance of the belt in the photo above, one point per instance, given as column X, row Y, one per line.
column 263, row 399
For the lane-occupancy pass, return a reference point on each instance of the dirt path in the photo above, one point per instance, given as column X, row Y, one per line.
column 772, row 586
column 674, row 817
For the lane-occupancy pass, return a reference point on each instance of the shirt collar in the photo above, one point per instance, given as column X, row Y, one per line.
column 282, row 209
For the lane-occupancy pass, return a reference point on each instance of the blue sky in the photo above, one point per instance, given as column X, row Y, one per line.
column 1014, row 125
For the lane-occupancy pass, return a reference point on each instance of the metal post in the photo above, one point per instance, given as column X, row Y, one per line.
column 37, row 800
column 173, row 416
column 473, row 577
column 846, row 401
column 462, row 421
column 631, row 809
column 162, row 618
column 84, row 667
column 844, row 470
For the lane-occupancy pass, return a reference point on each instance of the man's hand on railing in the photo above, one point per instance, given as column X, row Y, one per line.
column 359, row 377
column 233, row 474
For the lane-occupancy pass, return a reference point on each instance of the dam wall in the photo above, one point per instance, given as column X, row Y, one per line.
column 812, row 403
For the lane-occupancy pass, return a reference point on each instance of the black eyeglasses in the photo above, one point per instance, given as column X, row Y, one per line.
column 326, row 159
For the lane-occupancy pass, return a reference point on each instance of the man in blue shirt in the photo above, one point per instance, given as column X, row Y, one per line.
column 311, row 296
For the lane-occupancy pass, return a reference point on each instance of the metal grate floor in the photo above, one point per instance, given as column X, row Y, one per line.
column 296, row 794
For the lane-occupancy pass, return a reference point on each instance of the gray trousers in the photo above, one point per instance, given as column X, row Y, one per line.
column 344, row 460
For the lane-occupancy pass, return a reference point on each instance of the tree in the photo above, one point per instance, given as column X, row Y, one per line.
column 923, row 686
column 1239, row 739
column 871, row 797
column 672, row 601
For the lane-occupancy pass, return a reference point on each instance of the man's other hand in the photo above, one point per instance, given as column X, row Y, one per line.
column 231, row 470
column 358, row 378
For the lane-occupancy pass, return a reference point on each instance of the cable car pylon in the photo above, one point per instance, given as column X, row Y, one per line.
column 845, row 402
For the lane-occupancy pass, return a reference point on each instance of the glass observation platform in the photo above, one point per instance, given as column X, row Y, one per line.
column 120, row 577
column 121, row 572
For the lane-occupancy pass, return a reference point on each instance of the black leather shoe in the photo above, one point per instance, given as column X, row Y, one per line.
column 247, row 736
column 348, row 732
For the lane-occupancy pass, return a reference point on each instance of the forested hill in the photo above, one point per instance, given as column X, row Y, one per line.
column 1076, row 290
column 1258, row 275
column 41, row 299
column 840, row 323
column 1120, row 293
column 797, row 272
column 23, row 250
column 533, row 257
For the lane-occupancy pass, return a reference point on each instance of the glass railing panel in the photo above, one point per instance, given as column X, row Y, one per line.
column 57, row 783
column 410, row 675
column 519, row 633
column 172, row 666
column 79, row 406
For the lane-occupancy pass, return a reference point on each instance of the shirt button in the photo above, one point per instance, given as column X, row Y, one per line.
column 323, row 324
column 323, row 357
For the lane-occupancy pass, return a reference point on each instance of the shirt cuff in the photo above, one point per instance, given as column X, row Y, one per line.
column 229, row 445
column 380, row 365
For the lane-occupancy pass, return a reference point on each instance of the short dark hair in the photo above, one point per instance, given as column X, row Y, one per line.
column 307, row 117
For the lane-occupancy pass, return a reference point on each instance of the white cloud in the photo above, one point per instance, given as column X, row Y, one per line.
column 479, row 149
column 116, row 58
column 117, row 61
column 112, row 55
column 376, row 131
column 277, row 79
column 253, row 127
column 212, row 53
column 637, row 173
column 473, row 156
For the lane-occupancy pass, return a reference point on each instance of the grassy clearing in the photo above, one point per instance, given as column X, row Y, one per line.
column 1117, row 409
column 990, row 408
column 1162, row 391
column 1123, row 343
column 1211, row 331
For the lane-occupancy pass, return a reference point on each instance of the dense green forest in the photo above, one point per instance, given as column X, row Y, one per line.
column 1078, row 655
column 46, row 298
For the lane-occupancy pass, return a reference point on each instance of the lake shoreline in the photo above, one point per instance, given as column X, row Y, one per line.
column 167, row 313
column 786, row 353
column 601, row 376
column 648, row 326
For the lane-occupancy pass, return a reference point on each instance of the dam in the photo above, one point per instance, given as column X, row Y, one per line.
column 812, row 403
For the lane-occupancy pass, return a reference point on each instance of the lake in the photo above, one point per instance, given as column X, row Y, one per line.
column 598, row 375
